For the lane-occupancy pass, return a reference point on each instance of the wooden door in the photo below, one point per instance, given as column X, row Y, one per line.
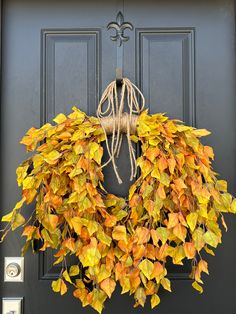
column 57, row 53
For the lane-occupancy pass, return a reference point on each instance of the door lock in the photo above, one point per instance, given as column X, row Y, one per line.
column 14, row 269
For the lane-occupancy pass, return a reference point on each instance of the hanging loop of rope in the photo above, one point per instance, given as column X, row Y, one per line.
column 115, row 121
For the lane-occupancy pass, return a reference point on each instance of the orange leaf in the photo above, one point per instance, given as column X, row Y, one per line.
column 143, row 235
column 158, row 270
column 189, row 249
column 161, row 192
column 110, row 221
column 162, row 164
column 70, row 244
column 179, row 184
column 152, row 153
column 108, row 285
column 171, row 163
column 173, row 220
column 180, row 232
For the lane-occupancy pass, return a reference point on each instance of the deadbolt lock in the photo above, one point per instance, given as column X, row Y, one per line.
column 13, row 269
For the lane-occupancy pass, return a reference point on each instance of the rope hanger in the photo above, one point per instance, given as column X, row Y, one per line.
column 115, row 121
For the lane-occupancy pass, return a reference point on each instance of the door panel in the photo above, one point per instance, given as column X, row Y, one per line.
column 57, row 54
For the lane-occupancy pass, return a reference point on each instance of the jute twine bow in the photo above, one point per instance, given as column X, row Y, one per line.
column 115, row 121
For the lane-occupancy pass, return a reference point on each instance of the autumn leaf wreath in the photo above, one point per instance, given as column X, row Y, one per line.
column 173, row 209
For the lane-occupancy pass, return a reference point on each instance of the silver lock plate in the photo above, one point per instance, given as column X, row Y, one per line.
column 14, row 269
column 12, row 305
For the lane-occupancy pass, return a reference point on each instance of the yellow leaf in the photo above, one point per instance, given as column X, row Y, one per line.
column 192, row 220
column 156, row 173
column 108, row 285
column 198, row 238
column 60, row 118
column 147, row 268
column 221, row 185
column 50, row 222
column 119, row 233
column 77, row 225
column 84, row 204
column 92, row 227
column 99, row 298
column 140, row 296
column 155, row 300
column 211, row 238
column 28, row 183
column 17, row 221
column 103, row 273
column 104, row 238
column 74, row 270
column 66, row 276
column 163, row 234
column 178, row 255
column 59, row 286
column 90, row 254
column 77, row 114
column 197, row 287
column 233, row 207
column 94, row 152
column 125, row 284
column 201, row 132
column 63, row 287
column 165, row 282
column 9, row 216
column 19, row 204
column 209, row 251
column 56, row 285
column 21, row 173
column 37, row 160
column 73, row 198
column 51, row 157
column 165, row 179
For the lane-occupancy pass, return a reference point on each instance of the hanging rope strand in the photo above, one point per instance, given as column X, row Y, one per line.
column 114, row 120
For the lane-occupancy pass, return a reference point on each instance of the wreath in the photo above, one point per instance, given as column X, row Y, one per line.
column 173, row 210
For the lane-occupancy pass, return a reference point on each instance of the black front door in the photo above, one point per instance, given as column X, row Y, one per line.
column 59, row 53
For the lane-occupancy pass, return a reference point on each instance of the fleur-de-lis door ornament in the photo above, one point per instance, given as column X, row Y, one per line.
column 120, row 27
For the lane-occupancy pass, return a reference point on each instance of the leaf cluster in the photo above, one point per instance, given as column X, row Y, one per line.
column 173, row 210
